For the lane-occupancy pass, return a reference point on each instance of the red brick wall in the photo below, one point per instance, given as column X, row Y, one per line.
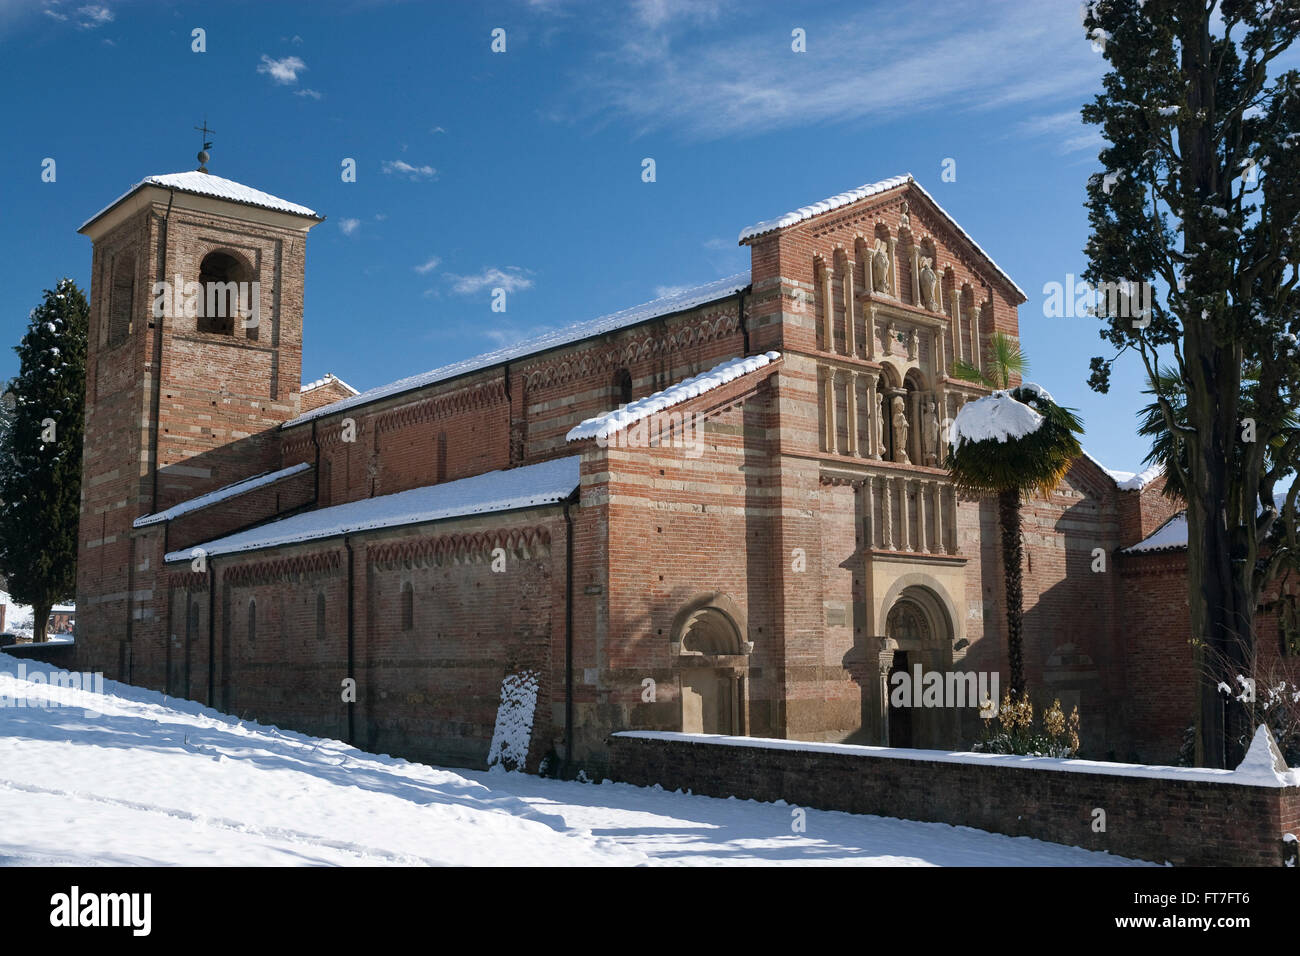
column 1190, row 822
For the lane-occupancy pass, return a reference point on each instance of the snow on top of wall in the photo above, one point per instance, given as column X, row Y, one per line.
column 205, row 184
column 1129, row 480
column 997, row 416
column 328, row 377
column 863, row 192
column 530, row 486
column 220, row 494
column 666, row 305
column 1169, row 536
column 607, row 423
column 1068, row 765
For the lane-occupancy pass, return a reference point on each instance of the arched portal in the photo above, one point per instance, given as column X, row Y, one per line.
column 919, row 634
column 713, row 666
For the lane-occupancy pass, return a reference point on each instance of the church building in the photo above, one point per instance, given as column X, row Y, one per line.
column 723, row 511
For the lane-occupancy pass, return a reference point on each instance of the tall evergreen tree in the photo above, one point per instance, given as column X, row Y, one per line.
column 1200, row 197
column 40, row 455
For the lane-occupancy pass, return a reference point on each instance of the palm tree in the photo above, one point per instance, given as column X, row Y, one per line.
column 1034, row 460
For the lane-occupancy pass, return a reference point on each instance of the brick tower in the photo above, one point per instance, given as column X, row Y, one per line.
column 194, row 357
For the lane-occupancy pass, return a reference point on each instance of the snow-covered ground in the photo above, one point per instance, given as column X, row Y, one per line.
column 153, row 780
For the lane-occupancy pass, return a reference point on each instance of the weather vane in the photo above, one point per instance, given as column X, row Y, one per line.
column 207, row 145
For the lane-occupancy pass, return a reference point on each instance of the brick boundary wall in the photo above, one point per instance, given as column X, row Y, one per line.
column 61, row 654
column 1151, row 813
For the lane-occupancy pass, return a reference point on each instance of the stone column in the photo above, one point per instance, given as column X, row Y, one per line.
column 887, row 515
column 956, row 325
column 893, row 270
column 920, row 517
column 904, row 518
column 916, row 278
column 875, row 427
column 938, row 355
column 828, row 409
column 850, row 340
column 828, row 307
column 940, row 546
column 868, row 513
column 885, row 661
column 975, row 336
column 869, row 320
column 851, row 410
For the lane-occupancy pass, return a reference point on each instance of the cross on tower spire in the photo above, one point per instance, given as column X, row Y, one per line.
column 203, row 156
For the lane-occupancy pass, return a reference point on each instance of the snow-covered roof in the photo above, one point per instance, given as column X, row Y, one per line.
column 1128, row 480
column 606, row 424
column 1170, row 536
column 329, row 377
column 531, row 486
column 863, row 192
column 221, row 494
column 205, row 184
column 666, row 305
column 997, row 416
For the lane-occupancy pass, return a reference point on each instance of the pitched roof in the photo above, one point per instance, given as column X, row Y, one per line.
column 606, row 424
column 205, row 184
column 326, row 379
column 530, row 486
column 221, row 494
column 863, row 192
column 1129, row 480
column 679, row 301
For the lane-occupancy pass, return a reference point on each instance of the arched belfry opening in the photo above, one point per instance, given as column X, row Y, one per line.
column 711, row 654
column 226, row 285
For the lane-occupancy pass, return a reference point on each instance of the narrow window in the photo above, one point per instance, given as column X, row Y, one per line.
column 622, row 387
column 408, row 606
column 192, row 622
column 252, row 622
column 120, row 300
column 320, row 615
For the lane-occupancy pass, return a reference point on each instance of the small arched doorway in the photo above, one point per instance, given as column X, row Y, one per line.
column 714, row 666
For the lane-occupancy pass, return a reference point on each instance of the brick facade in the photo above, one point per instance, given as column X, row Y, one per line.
column 743, row 583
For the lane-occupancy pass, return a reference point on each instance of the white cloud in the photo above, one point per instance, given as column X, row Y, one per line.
column 510, row 278
column 284, row 70
column 314, row 94
column 94, row 15
column 428, row 266
column 888, row 65
column 1066, row 128
column 391, row 166
column 349, row 226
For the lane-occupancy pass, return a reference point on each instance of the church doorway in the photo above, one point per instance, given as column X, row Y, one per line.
column 918, row 630
column 713, row 662
column 900, row 718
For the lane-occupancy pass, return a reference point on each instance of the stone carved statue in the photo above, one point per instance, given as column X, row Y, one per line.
column 929, row 286
column 880, row 269
column 904, row 220
column 900, row 432
column 930, row 432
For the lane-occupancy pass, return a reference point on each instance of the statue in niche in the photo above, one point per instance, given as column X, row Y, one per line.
column 911, row 344
column 900, row 432
column 880, row 423
column 930, row 432
column 929, row 286
column 904, row 220
column 880, row 269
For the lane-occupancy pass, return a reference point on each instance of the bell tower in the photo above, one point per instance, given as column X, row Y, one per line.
column 194, row 359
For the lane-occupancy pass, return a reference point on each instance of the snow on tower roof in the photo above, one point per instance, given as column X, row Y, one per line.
column 606, row 424
column 531, row 486
column 667, row 305
column 863, row 192
column 205, row 184
column 221, row 494
column 1170, row 536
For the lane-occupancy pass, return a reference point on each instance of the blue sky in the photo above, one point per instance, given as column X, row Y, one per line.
column 523, row 169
